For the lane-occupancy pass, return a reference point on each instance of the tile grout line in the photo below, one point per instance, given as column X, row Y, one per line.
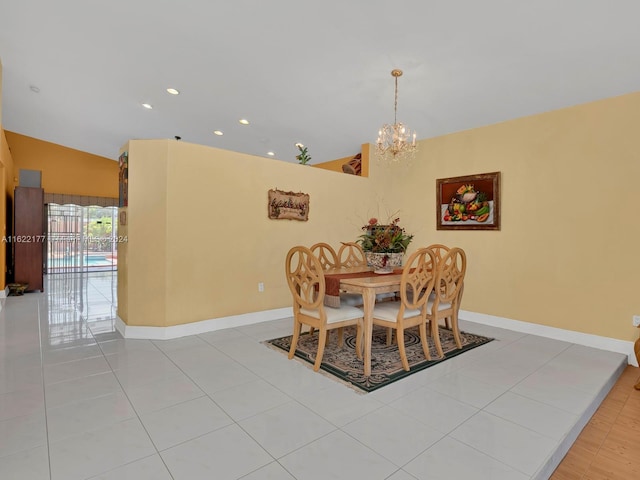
column 137, row 415
column 44, row 390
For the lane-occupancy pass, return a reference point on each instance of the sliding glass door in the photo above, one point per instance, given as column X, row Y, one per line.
column 81, row 239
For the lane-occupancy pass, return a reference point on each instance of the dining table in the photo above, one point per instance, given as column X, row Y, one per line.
column 363, row 281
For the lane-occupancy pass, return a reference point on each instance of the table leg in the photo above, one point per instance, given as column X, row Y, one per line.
column 368, row 303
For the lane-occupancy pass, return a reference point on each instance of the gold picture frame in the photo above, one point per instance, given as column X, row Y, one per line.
column 471, row 202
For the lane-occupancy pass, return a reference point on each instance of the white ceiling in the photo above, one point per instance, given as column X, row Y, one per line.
column 316, row 72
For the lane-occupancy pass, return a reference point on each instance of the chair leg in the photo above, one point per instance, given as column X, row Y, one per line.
column 359, row 341
column 322, row 340
column 389, row 336
column 297, row 326
column 403, row 353
column 436, row 337
column 455, row 329
column 447, row 322
column 311, row 330
column 423, row 340
column 340, row 337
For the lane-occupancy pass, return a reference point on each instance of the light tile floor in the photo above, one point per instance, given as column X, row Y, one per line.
column 77, row 401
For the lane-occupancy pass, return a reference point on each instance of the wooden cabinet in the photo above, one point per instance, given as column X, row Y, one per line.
column 28, row 237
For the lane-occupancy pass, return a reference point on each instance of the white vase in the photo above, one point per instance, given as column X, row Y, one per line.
column 384, row 261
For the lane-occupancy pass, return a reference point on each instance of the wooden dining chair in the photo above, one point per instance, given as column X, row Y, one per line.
column 440, row 251
column 448, row 284
column 411, row 310
column 351, row 254
column 306, row 281
column 328, row 259
column 326, row 254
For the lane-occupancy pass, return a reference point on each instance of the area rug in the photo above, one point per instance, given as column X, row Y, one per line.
column 386, row 367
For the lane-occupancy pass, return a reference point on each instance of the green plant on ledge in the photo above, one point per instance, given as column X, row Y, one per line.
column 303, row 157
column 389, row 238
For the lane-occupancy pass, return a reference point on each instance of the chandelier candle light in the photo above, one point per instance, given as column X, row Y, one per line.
column 393, row 145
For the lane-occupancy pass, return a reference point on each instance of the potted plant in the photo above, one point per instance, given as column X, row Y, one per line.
column 384, row 245
column 303, row 157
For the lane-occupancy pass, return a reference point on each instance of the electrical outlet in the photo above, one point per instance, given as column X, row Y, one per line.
column 636, row 320
column 261, row 287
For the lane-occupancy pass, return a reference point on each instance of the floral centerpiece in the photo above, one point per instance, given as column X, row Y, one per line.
column 384, row 245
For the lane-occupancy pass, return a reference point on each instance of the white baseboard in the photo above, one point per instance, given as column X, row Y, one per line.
column 195, row 328
column 579, row 338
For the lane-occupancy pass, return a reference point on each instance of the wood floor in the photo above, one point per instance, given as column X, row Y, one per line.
column 609, row 445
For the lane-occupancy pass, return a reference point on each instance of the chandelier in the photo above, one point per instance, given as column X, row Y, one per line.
column 395, row 143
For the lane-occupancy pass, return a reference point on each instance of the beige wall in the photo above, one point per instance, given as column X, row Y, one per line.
column 199, row 239
column 142, row 273
column 65, row 170
column 566, row 255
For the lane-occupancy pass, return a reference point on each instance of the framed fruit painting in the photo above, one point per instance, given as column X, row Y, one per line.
column 471, row 202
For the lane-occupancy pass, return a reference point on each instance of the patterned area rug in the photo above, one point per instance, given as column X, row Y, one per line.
column 386, row 366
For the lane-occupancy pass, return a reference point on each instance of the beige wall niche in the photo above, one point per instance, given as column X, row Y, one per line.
column 336, row 165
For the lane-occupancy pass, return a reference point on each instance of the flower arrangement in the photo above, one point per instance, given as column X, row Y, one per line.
column 389, row 238
column 303, row 157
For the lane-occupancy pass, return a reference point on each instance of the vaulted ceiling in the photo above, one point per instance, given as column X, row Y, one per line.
column 76, row 72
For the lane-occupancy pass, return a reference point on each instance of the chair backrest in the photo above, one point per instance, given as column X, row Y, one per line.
column 449, row 278
column 351, row 254
column 439, row 251
column 326, row 254
column 305, row 279
column 417, row 279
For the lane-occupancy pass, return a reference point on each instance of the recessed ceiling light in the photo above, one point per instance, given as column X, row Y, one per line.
column 218, row 132
column 271, row 154
column 147, row 105
column 244, row 121
column 173, row 91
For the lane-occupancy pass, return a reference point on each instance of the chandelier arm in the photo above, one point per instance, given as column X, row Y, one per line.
column 395, row 105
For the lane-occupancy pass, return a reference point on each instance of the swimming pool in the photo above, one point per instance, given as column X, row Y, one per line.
column 90, row 260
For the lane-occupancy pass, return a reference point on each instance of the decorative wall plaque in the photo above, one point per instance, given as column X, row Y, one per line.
column 288, row 205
